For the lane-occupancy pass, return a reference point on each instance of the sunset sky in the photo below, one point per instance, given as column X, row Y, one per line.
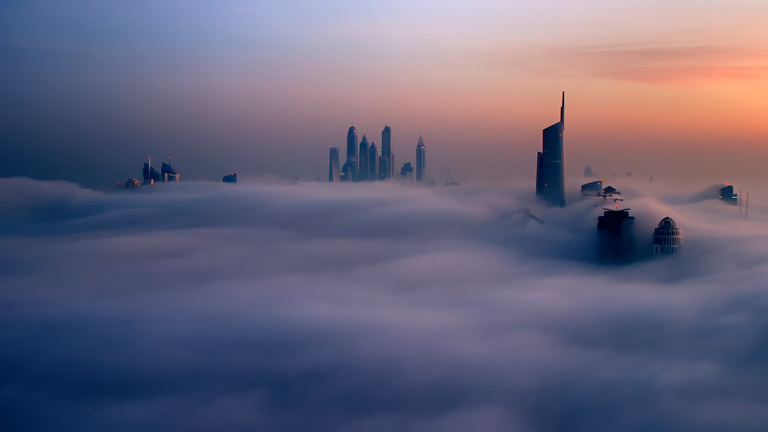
column 89, row 89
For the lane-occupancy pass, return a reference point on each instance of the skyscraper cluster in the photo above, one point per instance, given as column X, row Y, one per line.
column 365, row 162
column 166, row 174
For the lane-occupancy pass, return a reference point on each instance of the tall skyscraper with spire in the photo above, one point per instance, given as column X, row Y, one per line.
column 334, row 174
column 351, row 171
column 421, row 168
column 386, row 153
column 550, row 164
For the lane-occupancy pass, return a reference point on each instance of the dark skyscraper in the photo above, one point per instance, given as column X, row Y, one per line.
column 362, row 167
column 167, row 173
column 373, row 162
column 406, row 172
column 150, row 174
column 334, row 175
column 615, row 235
column 352, row 154
column 420, row 162
column 550, row 166
column 352, row 143
column 386, row 152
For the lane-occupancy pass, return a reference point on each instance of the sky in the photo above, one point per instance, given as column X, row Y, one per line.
column 89, row 89
column 276, row 305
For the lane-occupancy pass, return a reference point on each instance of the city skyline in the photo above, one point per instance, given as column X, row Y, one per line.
column 223, row 87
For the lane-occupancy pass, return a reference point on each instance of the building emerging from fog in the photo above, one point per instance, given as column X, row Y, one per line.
column 588, row 172
column 666, row 238
column 150, row 174
column 406, row 172
column 334, row 173
column 615, row 236
column 362, row 160
column 594, row 188
column 168, row 173
column 550, row 164
column 350, row 171
column 373, row 162
column 386, row 162
column 232, row 178
column 421, row 165
column 727, row 195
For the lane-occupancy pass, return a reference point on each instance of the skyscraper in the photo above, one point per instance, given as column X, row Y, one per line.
column 373, row 162
column 550, row 164
column 406, row 173
column 667, row 238
column 334, row 175
column 352, row 154
column 386, row 152
column 420, row 162
column 362, row 168
column 615, row 236
column 167, row 173
column 150, row 174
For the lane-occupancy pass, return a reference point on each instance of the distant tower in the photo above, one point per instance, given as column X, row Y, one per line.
column 727, row 195
column 150, row 174
column 550, row 164
column 386, row 152
column 232, row 178
column 147, row 167
column 594, row 188
column 588, row 172
column 420, row 162
column 352, row 153
column 373, row 162
column 666, row 238
column 406, row 172
column 334, row 174
column 362, row 167
column 168, row 173
column 615, row 236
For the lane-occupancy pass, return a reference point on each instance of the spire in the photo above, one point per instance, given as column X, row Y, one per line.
column 420, row 144
column 562, row 112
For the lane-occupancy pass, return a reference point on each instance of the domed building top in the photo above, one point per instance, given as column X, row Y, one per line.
column 667, row 238
column 667, row 224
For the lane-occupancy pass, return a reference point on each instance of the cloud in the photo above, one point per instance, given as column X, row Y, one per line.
column 314, row 306
column 655, row 63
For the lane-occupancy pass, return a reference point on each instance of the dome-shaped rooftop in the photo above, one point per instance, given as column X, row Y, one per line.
column 667, row 224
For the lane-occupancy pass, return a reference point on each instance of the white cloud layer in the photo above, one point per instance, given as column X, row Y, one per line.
column 309, row 306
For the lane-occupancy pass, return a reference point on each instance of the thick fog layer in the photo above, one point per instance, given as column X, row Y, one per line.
column 381, row 307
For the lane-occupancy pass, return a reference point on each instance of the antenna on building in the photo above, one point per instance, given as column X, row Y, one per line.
column 746, row 212
column 740, row 200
